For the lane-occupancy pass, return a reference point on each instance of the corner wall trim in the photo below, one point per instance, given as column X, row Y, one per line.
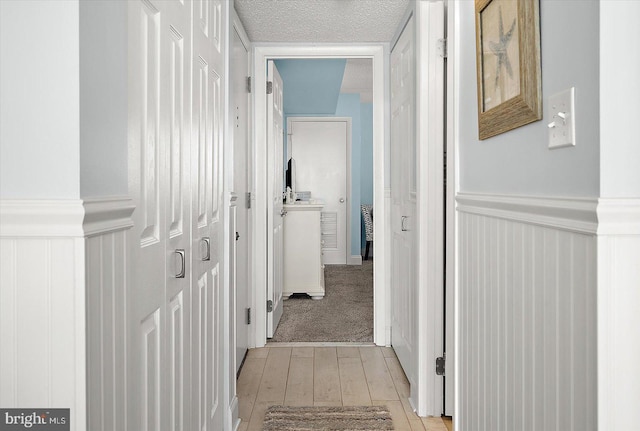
column 355, row 259
column 618, row 216
column 570, row 214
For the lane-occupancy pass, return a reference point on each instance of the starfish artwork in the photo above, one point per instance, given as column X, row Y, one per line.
column 499, row 48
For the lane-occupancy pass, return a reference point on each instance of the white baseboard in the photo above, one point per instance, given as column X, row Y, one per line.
column 355, row 260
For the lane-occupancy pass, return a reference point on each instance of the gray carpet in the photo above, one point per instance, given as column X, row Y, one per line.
column 344, row 314
column 366, row 418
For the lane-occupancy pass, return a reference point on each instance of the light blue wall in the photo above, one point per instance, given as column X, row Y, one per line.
column 312, row 87
column 301, row 99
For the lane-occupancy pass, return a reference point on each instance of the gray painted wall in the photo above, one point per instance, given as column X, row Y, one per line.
column 519, row 161
column 103, row 98
column 63, row 110
column 39, row 107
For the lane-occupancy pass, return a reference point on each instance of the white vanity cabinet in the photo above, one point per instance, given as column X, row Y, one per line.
column 303, row 270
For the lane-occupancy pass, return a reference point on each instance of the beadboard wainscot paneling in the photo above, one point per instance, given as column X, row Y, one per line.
column 56, row 259
column 106, row 226
column 528, row 330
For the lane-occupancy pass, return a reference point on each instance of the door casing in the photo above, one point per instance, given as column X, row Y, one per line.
column 262, row 54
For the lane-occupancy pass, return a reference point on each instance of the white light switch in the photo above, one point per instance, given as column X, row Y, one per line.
column 560, row 113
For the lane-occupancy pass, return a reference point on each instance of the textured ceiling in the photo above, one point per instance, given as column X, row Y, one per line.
column 358, row 78
column 321, row 20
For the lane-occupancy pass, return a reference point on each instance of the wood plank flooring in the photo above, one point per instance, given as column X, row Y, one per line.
column 327, row 376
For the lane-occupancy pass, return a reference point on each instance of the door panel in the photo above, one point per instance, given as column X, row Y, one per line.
column 174, row 169
column 241, row 164
column 404, row 290
column 207, row 236
column 155, row 139
column 320, row 149
column 275, row 146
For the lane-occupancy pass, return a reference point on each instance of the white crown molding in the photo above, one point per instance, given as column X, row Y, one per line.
column 72, row 218
column 571, row 214
column 618, row 216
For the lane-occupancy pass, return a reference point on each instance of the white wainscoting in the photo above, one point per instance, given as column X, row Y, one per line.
column 618, row 314
column 528, row 314
column 63, row 276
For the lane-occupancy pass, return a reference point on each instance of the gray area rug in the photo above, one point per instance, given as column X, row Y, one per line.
column 344, row 314
column 366, row 418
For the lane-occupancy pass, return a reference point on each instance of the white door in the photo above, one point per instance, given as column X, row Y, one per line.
column 275, row 145
column 159, row 138
column 241, row 163
column 404, row 289
column 207, row 65
column 320, row 147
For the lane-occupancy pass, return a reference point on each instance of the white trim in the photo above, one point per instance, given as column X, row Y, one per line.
column 104, row 215
column 570, row 214
column 65, row 218
column 41, row 218
column 348, row 165
column 263, row 52
column 355, row 259
column 430, row 133
column 619, row 216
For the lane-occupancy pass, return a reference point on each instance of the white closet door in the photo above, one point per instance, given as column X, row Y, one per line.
column 175, row 129
column 404, row 289
column 158, row 331
column 207, row 64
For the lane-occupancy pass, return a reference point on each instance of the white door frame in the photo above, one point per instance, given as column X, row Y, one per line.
column 348, row 185
column 262, row 53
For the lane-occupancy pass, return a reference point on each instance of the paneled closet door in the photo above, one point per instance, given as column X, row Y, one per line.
column 404, row 267
column 176, row 116
column 207, row 62
column 158, row 301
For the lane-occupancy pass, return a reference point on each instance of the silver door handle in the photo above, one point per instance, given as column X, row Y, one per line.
column 403, row 227
column 341, row 200
column 283, row 212
column 205, row 249
column 180, row 254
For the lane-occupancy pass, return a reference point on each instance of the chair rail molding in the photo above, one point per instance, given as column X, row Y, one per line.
column 571, row 214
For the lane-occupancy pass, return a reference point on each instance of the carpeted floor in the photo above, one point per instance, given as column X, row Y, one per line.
column 344, row 314
column 365, row 418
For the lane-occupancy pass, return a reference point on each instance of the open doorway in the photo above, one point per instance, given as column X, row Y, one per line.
column 328, row 163
column 374, row 55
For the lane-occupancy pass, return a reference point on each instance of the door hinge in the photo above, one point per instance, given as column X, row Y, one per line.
column 248, row 201
column 442, row 48
column 440, row 361
column 269, row 87
column 248, row 84
column 248, row 316
column 269, row 306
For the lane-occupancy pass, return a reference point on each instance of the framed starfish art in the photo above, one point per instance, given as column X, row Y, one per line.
column 508, row 65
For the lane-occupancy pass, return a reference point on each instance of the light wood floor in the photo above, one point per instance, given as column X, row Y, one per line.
column 326, row 376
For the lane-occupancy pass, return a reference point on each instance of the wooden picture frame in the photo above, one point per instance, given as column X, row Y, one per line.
column 508, row 65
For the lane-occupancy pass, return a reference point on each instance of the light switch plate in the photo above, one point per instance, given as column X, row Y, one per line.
column 561, row 116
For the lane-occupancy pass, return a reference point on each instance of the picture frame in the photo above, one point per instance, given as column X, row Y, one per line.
column 508, row 65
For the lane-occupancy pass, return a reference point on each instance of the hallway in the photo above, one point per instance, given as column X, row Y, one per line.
column 326, row 376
